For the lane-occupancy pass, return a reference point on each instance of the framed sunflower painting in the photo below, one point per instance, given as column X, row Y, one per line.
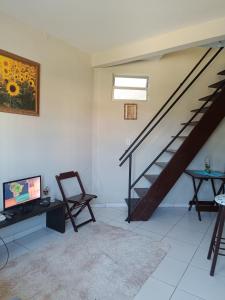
column 19, row 84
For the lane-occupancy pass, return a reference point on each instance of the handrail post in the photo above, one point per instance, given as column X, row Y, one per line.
column 129, row 188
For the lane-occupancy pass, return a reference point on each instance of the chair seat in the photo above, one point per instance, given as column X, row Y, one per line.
column 81, row 198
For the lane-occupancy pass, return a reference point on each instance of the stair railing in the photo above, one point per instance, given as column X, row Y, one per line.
column 128, row 154
column 164, row 105
column 168, row 110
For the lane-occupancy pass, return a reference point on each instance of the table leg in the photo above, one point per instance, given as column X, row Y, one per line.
column 196, row 190
column 193, row 200
column 213, row 187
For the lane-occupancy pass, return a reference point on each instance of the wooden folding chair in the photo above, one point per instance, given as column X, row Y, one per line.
column 79, row 201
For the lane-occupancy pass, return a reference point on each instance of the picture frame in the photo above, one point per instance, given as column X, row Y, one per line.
column 19, row 84
column 130, row 111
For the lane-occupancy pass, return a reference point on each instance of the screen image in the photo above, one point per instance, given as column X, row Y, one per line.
column 20, row 191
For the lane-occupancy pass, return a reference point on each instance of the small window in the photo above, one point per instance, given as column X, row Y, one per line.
column 130, row 88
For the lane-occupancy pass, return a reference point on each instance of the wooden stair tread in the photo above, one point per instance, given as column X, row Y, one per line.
column 200, row 110
column 133, row 200
column 151, row 178
column 194, row 123
column 218, row 84
column 171, row 150
column 180, row 136
column 221, row 72
column 209, row 97
column 161, row 164
column 133, row 203
column 141, row 191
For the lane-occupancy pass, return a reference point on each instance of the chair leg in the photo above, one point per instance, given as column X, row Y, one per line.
column 71, row 218
column 91, row 212
column 78, row 212
column 218, row 239
column 214, row 233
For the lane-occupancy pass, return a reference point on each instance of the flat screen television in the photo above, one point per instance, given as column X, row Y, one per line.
column 22, row 191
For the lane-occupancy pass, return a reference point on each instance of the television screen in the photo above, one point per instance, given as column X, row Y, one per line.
column 21, row 191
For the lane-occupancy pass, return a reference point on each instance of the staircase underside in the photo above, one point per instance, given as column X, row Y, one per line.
column 149, row 200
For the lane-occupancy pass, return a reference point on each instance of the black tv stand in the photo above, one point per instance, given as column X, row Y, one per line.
column 55, row 214
column 25, row 209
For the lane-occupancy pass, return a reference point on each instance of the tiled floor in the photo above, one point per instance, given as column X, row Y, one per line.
column 184, row 272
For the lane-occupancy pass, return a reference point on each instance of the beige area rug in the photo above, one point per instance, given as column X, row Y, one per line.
column 101, row 262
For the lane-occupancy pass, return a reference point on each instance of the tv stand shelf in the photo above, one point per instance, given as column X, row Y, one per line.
column 55, row 215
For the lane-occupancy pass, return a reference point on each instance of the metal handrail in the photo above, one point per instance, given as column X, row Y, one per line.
column 165, row 104
column 171, row 106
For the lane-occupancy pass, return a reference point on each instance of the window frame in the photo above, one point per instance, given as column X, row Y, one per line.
column 131, row 88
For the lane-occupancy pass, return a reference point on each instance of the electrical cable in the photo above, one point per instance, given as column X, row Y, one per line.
column 7, row 250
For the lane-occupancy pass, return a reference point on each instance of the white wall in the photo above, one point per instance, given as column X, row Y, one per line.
column 111, row 131
column 74, row 133
column 60, row 139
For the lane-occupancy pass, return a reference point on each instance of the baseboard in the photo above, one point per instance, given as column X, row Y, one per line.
column 124, row 205
column 109, row 205
column 175, row 205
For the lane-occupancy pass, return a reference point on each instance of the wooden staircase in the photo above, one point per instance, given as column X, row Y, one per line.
column 149, row 199
column 212, row 111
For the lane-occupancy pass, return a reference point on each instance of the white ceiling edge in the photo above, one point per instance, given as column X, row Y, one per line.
column 193, row 36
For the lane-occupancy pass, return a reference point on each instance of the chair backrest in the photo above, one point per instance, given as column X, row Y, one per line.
column 69, row 175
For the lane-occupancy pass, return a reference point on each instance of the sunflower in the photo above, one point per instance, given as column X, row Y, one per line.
column 1, row 78
column 27, row 75
column 31, row 83
column 6, row 71
column 21, row 79
column 12, row 88
column 16, row 77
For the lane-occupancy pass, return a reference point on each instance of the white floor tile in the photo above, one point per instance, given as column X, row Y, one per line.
column 155, row 290
column 190, row 223
column 206, row 216
column 181, row 295
column 169, row 213
column 180, row 250
column 200, row 260
column 158, row 227
column 198, row 282
column 151, row 235
column 186, row 235
column 170, row 271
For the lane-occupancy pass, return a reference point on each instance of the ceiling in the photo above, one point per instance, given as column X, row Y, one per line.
column 99, row 25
